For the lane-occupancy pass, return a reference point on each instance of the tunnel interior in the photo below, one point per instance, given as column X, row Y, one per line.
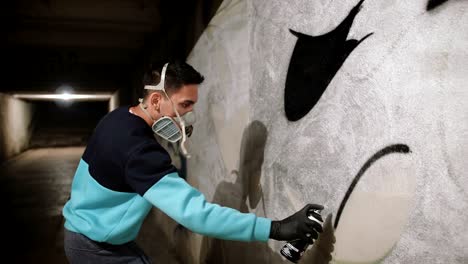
column 101, row 49
column 404, row 86
column 65, row 123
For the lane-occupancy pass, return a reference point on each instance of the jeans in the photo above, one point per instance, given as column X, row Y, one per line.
column 81, row 249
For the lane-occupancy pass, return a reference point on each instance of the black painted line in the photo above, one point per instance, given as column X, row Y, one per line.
column 397, row 148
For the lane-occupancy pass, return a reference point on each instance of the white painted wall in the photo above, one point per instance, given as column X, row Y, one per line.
column 405, row 84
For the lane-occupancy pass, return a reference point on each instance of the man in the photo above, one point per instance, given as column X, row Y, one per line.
column 124, row 171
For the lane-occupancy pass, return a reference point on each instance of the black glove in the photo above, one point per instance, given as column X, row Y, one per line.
column 298, row 225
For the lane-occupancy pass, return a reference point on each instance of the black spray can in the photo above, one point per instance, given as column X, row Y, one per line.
column 293, row 250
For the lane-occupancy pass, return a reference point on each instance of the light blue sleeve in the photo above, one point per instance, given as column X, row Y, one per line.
column 187, row 206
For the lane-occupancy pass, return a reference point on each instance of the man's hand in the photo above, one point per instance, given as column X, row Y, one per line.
column 298, row 225
column 320, row 253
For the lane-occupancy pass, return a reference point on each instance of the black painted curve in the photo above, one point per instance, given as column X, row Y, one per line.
column 397, row 148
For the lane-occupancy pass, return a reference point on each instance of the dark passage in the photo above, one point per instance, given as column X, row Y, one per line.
column 58, row 124
column 314, row 63
column 34, row 187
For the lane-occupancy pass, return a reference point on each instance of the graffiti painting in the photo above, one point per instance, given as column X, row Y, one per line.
column 314, row 63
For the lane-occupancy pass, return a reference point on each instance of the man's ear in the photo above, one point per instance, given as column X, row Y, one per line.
column 154, row 99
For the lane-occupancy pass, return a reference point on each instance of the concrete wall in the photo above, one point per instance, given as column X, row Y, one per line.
column 393, row 118
column 114, row 102
column 15, row 126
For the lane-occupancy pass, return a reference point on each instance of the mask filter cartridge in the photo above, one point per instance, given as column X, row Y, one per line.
column 166, row 128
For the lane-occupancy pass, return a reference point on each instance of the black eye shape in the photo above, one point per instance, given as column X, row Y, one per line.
column 431, row 4
column 314, row 63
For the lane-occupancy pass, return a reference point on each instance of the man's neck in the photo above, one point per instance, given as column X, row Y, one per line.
column 136, row 110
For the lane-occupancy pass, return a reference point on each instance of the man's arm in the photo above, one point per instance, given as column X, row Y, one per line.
column 188, row 206
column 150, row 173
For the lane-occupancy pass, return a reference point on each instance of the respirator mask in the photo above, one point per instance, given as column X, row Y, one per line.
column 166, row 127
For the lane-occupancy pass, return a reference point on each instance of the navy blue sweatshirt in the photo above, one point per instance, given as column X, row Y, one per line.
column 124, row 171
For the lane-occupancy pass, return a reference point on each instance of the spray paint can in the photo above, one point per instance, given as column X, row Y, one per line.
column 293, row 250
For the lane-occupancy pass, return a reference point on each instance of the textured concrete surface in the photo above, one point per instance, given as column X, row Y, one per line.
column 15, row 126
column 406, row 84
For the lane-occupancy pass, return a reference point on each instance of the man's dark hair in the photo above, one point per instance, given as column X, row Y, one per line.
column 178, row 74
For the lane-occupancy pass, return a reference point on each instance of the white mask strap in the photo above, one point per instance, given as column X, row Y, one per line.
column 143, row 107
column 182, row 142
column 161, row 87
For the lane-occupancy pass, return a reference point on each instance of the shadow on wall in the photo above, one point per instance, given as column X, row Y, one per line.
column 235, row 195
column 247, row 188
column 314, row 63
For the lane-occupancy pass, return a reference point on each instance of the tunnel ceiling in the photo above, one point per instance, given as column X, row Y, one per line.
column 92, row 45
